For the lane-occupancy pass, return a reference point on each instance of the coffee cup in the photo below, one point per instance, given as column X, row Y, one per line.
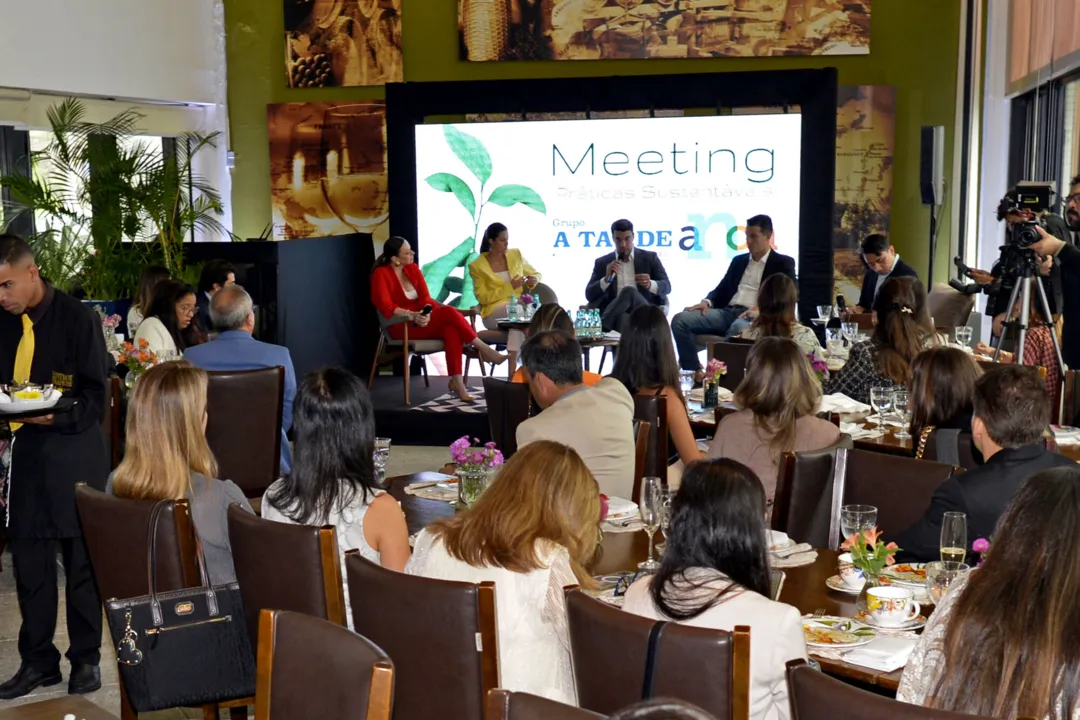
column 891, row 606
column 850, row 575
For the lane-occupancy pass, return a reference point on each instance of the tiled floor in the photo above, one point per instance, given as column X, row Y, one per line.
column 403, row 460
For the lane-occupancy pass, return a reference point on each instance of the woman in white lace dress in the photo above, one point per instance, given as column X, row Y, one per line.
column 332, row 481
column 1005, row 640
column 531, row 533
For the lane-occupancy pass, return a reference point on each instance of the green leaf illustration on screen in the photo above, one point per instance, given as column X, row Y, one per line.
column 474, row 155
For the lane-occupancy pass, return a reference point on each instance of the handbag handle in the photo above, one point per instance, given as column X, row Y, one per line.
column 650, row 659
column 151, row 568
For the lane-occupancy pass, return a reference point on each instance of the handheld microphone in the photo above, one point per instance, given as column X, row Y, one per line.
column 614, row 275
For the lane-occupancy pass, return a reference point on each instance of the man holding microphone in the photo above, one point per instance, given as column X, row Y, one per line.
column 626, row 279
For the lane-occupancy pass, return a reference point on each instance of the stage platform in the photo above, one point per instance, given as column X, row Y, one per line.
column 436, row 417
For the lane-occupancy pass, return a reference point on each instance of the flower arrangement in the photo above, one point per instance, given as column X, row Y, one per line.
column 474, row 462
column 982, row 546
column 137, row 359
column 715, row 370
column 527, row 299
column 819, row 366
column 109, row 323
column 868, row 553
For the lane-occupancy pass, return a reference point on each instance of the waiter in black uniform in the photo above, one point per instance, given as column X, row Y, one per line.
column 48, row 337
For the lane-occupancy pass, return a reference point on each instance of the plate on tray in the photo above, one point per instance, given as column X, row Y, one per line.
column 909, row 574
column 836, row 632
column 835, row 583
column 912, row 624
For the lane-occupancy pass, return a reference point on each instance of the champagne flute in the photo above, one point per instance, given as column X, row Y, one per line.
column 954, row 537
column 880, row 400
column 650, row 508
column 854, row 518
column 901, row 403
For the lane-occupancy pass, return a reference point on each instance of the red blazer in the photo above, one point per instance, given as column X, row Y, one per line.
column 388, row 295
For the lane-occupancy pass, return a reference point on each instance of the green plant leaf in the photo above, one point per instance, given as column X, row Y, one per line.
column 445, row 182
column 470, row 151
column 438, row 271
column 454, row 283
column 507, row 195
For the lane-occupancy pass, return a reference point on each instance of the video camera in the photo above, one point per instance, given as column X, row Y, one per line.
column 1033, row 197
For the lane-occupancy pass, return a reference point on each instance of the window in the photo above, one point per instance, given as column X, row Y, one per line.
column 1070, row 164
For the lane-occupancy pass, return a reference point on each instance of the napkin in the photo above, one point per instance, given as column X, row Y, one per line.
column 840, row 403
column 627, row 524
column 885, row 653
column 858, row 432
column 722, row 394
column 1065, row 435
column 776, row 538
column 796, row 557
column 621, row 508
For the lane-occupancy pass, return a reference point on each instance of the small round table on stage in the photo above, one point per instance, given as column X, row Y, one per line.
column 587, row 344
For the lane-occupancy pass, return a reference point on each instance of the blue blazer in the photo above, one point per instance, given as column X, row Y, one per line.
column 237, row 350
column 725, row 291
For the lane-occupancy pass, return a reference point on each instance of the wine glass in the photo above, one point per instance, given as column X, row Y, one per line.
column 962, row 335
column 665, row 516
column 650, row 507
column 381, row 455
column 824, row 312
column 854, row 518
column 941, row 575
column 881, row 401
column 850, row 330
column 954, row 537
column 686, row 382
column 901, row 404
column 354, row 148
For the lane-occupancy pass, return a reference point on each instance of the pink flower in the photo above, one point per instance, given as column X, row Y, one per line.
column 527, row 299
column 981, row 545
column 603, row 507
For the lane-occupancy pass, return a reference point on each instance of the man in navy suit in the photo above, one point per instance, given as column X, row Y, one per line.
column 882, row 263
column 232, row 312
column 727, row 309
column 626, row 279
column 215, row 275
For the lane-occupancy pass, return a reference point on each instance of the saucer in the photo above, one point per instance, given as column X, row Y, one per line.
column 836, row 583
column 913, row 624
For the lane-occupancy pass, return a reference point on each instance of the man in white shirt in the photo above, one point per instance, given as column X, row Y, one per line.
column 727, row 309
column 626, row 279
column 597, row 422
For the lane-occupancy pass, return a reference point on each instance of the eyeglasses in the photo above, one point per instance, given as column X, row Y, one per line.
column 186, row 309
column 1070, row 198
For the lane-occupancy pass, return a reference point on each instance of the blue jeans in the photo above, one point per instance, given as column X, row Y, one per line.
column 686, row 326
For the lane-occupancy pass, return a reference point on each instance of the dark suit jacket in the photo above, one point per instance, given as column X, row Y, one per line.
column 202, row 311
column 869, row 282
column 645, row 262
column 725, row 291
column 982, row 493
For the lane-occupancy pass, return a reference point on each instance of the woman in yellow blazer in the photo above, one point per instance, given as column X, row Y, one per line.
column 497, row 274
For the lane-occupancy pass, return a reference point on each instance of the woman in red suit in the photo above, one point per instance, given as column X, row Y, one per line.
column 398, row 288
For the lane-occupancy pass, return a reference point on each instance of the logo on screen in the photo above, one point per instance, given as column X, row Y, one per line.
column 699, row 238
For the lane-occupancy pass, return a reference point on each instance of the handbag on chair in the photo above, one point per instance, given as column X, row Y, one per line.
column 182, row 648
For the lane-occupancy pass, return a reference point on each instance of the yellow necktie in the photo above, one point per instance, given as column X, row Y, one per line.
column 24, row 357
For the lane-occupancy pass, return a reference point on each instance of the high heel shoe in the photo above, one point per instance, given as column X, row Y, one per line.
column 457, row 386
column 494, row 357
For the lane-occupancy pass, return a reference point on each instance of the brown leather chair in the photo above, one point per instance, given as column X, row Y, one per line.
column 117, row 538
column 950, row 308
column 803, row 500
column 1071, row 404
column 642, row 431
column 312, row 668
column 304, row 575
column 442, row 636
column 506, row 705
column 710, row 668
column 651, row 407
column 816, row 696
column 734, row 355
column 969, row 456
column 864, row 321
column 509, row 404
column 243, row 426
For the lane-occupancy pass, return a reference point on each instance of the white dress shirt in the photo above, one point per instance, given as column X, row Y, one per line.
column 751, row 282
column 882, row 278
column 626, row 277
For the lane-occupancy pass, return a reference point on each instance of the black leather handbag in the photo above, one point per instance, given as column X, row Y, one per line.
column 183, row 648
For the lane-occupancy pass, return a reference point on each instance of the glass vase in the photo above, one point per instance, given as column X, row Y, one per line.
column 712, row 395
column 130, row 379
column 873, row 580
column 471, row 485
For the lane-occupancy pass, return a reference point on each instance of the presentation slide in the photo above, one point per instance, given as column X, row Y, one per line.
column 688, row 184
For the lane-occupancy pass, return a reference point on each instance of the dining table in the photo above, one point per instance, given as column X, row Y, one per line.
column 804, row 587
column 587, row 343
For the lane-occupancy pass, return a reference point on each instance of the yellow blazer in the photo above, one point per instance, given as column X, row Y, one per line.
column 491, row 289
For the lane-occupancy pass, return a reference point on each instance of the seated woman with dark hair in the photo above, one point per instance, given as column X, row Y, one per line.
column 715, row 574
column 777, row 402
column 646, row 362
column 332, row 481
column 499, row 274
column 942, row 390
column 1003, row 642
column 169, row 327
column 553, row 317
column 777, row 298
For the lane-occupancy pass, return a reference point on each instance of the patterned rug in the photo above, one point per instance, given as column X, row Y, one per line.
column 450, row 402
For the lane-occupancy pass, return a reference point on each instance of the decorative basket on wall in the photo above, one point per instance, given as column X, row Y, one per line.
column 486, row 24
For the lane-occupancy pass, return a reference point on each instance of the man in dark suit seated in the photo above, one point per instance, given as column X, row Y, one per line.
column 882, row 263
column 626, row 279
column 1011, row 414
column 727, row 309
column 215, row 275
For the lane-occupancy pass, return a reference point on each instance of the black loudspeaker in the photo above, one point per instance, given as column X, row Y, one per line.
column 932, row 165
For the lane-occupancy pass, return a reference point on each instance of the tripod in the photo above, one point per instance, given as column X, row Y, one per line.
column 1022, row 291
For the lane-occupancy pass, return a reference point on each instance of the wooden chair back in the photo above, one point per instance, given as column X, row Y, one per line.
column 506, row 705
column 734, row 355
column 509, row 404
column 651, row 406
column 803, row 500
column 642, row 430
column 243, row 427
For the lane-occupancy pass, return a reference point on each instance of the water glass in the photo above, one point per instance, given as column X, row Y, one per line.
column 665, row 515
column 381, row 455
column 962, row 335
column 901, row 404
column 941, row 575
column 164, row 356
column 824, row 312
column 854, row 518
column 686, row 382
column 835, row 348
column 850, row 330
column 832, row 334
column 650, row 507
column 881, row 402
column 954, row 537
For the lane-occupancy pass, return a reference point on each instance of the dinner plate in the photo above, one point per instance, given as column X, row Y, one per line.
column 910, row 574
column 17, row 407
column 912, row 624
column 837, row 584
column 782, row 545
column 825, row 632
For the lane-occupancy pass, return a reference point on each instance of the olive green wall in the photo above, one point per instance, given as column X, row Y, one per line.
column 914, row 47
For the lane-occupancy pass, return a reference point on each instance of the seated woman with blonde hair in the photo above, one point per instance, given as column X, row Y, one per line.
column 167, row 458
column 777, row 402
column 531, row 532
column 553, row 317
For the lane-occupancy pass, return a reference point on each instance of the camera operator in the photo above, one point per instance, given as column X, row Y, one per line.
column 1068, row 254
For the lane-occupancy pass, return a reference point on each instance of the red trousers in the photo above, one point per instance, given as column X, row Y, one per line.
column 448, row 325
